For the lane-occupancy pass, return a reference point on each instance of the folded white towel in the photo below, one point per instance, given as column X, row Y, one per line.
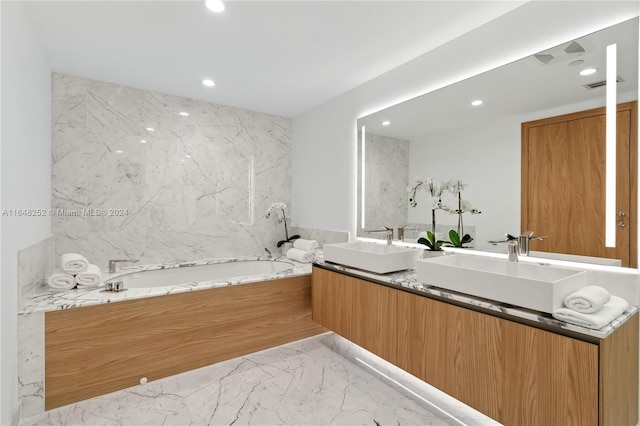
column 596, row 321
column 300, row 255
column 588, row 299
column 306, row 245
column 61, row 281
column 73, row 263
column 92, row 277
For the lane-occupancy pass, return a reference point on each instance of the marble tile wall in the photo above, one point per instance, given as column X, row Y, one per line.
column 35, row 264
column 386, row 182
column 322, row 236
column 31, row 363
column 197, row 187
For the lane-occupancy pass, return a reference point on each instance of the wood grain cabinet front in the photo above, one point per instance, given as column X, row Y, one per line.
column 515, row 373
column 344, row 304
column 94, row 350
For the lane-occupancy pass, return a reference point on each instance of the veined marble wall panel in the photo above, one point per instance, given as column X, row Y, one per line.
column 386, row 182
column 197, row 187
column 35, row 265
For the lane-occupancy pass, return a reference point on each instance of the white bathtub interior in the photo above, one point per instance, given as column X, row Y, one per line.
column 212, row 272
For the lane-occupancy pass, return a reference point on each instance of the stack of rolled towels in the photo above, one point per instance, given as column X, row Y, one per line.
column 591, row 307
column 303, row 250
column 75, row 271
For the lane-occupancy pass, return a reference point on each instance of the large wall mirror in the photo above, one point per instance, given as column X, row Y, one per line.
column 441, row 135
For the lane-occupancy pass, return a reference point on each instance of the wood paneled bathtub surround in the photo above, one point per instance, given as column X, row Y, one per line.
column 94, row 350
column 515, row 373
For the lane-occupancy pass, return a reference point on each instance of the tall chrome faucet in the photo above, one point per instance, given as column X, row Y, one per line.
column 512, row 246
column 389, row 232
column 524, row 240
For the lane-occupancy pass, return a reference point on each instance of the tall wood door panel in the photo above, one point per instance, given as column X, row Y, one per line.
column 563, row 183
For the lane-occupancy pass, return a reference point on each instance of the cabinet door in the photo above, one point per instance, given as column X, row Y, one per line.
column 456, row 350
column 360, row 311
column 513, row 373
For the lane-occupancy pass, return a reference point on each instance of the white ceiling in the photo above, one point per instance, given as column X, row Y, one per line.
column 278, row 57
column 520, row 91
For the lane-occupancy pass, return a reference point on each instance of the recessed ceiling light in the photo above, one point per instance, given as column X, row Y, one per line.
column 576, row 62
column 143, row 141
column 208, row 83
column 386, row 123
column 187, row 156
column 477, row 102
column 119, row 152
column 184, row 114
column 214, row 5
column 588, row 71
column 150, row 129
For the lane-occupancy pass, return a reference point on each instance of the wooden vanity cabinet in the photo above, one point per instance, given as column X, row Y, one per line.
column 515, row 373
column 360, row 311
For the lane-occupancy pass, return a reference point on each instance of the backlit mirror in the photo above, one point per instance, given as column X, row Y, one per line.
column 441, row 135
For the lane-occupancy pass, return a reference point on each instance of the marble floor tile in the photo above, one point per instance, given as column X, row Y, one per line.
column 308, row 382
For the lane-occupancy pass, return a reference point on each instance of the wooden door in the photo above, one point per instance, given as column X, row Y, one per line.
column 563, row 183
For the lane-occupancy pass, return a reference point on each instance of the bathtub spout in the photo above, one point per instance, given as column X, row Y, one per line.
column 113, row 264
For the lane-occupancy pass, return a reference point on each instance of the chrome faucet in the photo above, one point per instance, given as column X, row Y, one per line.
column 402, row 229
column 512, row 246
column 524, row 240
column 113, row 263
column 386, row 229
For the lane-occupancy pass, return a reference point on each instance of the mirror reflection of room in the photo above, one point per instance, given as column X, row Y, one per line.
column 478, row 131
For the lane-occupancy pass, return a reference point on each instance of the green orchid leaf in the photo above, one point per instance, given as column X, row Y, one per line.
column 455, row 238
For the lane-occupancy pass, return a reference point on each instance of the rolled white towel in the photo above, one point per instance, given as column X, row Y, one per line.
column 61, row 281
column 306, row 245
column 92, row 277
column 588, row 299
column 73, row 263
column 597, row 320
column 300, row 255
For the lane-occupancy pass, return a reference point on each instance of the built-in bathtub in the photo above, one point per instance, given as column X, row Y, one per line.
column 172, row 318
column 194, row 273
column 142, row 281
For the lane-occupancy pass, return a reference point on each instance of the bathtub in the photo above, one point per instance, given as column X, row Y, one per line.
column 189, row 273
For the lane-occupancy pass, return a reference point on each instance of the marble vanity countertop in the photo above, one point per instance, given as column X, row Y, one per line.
column 408, row 280
column 50, row 300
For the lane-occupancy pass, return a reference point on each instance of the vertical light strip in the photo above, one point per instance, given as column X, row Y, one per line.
column 610, row 191
column 362, row 182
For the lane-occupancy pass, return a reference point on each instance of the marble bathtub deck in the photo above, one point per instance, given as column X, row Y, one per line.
column 323, row 380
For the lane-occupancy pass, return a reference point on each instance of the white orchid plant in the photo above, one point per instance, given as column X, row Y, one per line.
column 435, row 189
column 279, row 211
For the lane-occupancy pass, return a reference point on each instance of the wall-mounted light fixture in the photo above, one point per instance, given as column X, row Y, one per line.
column 611, row 136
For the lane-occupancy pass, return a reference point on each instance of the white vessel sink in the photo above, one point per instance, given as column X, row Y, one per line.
column 537, row 287
column 371, row 257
